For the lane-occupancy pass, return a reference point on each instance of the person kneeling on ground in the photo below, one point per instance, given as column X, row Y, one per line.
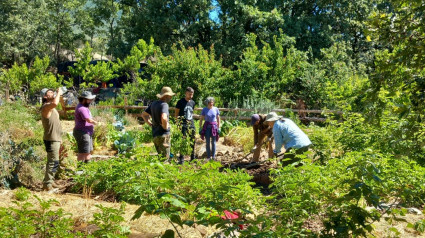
column 52, row 135
column 261, row 131
column 84, row 127
column 184, row 114
column 159, row 112
column 211, row 128
column 287, row 133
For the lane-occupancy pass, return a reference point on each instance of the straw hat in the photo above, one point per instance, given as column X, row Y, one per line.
column 165, row 91
column 272, row 116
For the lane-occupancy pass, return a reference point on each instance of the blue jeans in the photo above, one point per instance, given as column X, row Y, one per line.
column 210, row 142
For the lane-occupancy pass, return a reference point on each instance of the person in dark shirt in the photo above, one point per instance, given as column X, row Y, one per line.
column 184, row 115
column 158, row 111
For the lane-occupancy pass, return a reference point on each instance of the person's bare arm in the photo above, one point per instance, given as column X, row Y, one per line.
column 164, row 121
column 146, row 118
column 176, row 112
column 200, row 121
column 47, row 110
column 218, row 121
column 90, row 120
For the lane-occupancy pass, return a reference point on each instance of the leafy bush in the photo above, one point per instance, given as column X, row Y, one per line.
column 25, row 221
column 337, row 193
column 20, row 143
column 28, row 220
column 194, row 192
column 109, row 222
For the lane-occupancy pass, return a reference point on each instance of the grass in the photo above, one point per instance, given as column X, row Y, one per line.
column 240, row 136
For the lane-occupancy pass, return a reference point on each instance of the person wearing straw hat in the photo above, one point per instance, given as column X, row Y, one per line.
column 52, row 135
column 157, row 116
column 261, row 130
column 288, row 134
column 84, row 126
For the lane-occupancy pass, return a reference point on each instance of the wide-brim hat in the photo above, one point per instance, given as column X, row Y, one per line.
column 272, row 116
column 87, row 95
column 254, row 119
column 165, row 91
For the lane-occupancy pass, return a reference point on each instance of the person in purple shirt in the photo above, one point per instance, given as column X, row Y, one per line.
column 84, row 126
column 211, row 128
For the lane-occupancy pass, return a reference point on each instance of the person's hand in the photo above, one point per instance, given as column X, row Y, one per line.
column 253, row 149
column 59, row 91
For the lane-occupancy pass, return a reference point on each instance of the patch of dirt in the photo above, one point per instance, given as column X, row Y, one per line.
column 234, row 158
column 382, row 228
column 82, row 210
column 67, row 126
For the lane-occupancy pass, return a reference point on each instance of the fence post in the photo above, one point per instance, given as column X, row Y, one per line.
column 125, row 105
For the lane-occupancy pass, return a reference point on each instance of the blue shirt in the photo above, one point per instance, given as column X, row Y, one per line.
column 287, row 133
column 210, row 114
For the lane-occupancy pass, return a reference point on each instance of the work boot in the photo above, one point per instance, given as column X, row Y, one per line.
column 47, row 187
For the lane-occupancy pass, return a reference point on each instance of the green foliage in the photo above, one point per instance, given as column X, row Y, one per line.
column 20, row 142
column 125, row 143
column 191, row 67
column 40, row 78
column 419, row 226
column 82, row 67
column 14, row 78
column 340, row 199
column 180, row 145
column 109, row 222
column 22, row 194
column 100, row 72
column 28, row 220
column 25, row 221
column 175, row 192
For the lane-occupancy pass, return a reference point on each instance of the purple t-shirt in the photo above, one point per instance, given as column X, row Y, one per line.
column 210, row 114
column 81, row 114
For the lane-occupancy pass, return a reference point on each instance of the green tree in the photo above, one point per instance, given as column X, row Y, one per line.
column 60, row 23
column 22, row 31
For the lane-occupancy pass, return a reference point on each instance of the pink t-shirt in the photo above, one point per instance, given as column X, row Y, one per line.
column 81, row 114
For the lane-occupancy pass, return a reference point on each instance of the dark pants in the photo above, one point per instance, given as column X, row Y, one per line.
column 290, row 155
column 189, row 130
column 211, row 142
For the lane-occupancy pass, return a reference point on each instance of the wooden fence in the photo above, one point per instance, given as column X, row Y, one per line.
column 302, row 114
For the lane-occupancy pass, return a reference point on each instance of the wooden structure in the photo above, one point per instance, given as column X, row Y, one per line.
column 66, row 110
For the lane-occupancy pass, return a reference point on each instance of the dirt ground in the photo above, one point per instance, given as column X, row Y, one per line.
column 82, row 210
